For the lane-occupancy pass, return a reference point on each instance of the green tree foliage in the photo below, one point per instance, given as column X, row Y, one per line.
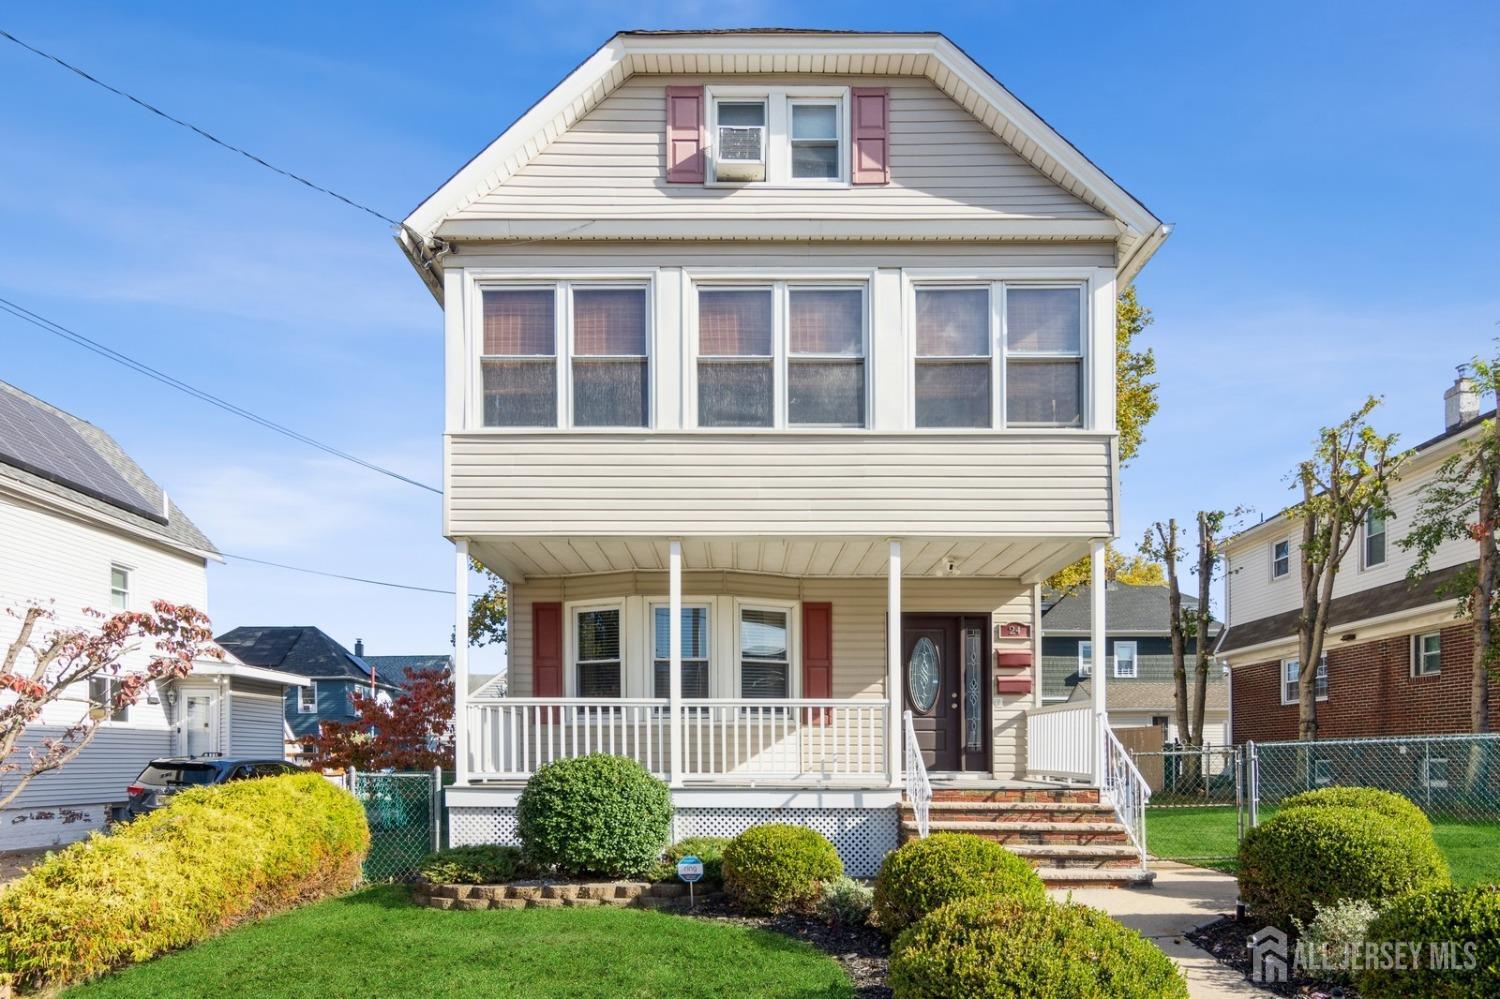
column 1135, row 393
column 488, row 611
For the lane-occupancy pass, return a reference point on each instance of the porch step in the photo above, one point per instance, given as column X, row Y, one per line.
column 1031, row 833
column 1040, row 795
column 1016, row 811
column 1115, row 851
column 1096, row 877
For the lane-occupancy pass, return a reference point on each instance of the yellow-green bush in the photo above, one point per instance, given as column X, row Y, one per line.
column 926, row 874
column 214, row 857
column 1456, row 932
column 1387, row 803
column 779, row 868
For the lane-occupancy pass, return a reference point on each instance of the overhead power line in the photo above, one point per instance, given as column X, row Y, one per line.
column 338, row 575
column 72, row 336
column 204, row 133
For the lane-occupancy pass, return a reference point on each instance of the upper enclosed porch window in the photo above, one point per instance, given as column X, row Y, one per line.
column 998, row 354
column 600, row 335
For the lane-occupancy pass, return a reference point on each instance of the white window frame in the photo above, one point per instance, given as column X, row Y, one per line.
column 1288, row 570
column 1428, row 780
column 1292, row 683
column 1085, row 657
column 707, row 605
column 1135, row 660
column 780, row 288
column 793, row 641
column 570, row 644
column 1419, row 655
column 778, row 150
column 307, row 699
column 1000, row 353
column 111, row 688
column 1364, row 541
column 124, row 604
column 1322, row 771
column 562, row 283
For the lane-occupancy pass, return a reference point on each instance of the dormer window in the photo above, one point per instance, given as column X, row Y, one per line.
column 815, row 140
column 780, row 136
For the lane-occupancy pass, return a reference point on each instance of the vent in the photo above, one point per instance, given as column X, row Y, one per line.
column 741, row 153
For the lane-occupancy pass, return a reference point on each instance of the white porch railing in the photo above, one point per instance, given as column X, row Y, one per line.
column 918, row 786
column 1126, row 789
column 1060, row 743
column 728, row 741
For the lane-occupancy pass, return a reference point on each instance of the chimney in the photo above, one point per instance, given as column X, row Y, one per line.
column 1461, row 402
column 359, row 647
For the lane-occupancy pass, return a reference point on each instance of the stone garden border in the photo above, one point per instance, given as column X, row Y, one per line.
column 637, row 894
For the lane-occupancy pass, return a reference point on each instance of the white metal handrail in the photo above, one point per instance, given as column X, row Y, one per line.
column 1124, row 786
column 918, row 786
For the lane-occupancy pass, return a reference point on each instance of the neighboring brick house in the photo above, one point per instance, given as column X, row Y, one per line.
column 1138, row 652
column 1397, row 660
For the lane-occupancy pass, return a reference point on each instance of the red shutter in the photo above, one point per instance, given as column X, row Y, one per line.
column 546, row 650
column 817, row 654
column 685, row 135
column 871, row 134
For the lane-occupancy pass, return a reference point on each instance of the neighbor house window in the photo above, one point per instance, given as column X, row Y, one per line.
column 596, row 652
column 953, row 362
column 1374, row 538
column 605, row 331
column 1044, row 357
column 765, row 662
column 694, row 651
column 1125, row 660
column 1085, row 658
column 1322, row 771
column 119, row 587
column 1434, row 771
column 307, row 699
column 1289, row 684
column 1427, row 654
column 749, row 335
column 1281, row 559
column 102, row 693
column 777, row 135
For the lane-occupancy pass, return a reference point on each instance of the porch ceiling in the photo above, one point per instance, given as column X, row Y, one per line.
column 1026, row 559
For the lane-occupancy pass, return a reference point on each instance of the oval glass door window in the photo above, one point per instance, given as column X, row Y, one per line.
column 922, row 677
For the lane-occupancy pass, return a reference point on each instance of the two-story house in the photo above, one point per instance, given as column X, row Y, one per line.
column 1137, row 655
column 780, row 372
column 1398, row 660
column 83, row 528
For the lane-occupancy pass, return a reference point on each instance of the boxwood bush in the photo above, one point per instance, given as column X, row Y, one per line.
column 1305, row 857
column 1456, row 917
column 1387, row 803
column 471, row 865
column 710, row 850
column 925, row 874
column 779, row 868
column 1031, row 948
column 212, row 858
column 594, row 815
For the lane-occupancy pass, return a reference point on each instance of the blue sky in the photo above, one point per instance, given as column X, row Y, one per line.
column 1329, row 168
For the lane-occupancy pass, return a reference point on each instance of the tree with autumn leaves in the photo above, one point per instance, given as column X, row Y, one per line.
column 411, row 731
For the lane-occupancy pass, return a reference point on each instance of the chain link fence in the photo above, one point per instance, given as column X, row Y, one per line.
column 1183, row 776
column 405, row 814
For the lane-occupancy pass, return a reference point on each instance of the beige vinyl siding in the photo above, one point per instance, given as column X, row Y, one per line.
column 859, row 627
column 945, row 164
column 559, row 484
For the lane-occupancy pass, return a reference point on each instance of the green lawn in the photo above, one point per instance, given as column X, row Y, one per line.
column 375, row 942
column 1206, row 837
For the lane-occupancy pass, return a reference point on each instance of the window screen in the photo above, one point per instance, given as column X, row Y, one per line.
column 952, row 380
column 826, row 366
column 765, row 669
column 735, row 370
column 609, row 358
column 1044, row 356
column 694, row 651
column 597, row 653
column 520, row 358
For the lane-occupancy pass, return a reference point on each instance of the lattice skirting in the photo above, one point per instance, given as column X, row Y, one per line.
column 863, row 836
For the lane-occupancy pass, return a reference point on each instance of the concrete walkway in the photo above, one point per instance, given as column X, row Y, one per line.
column 1182, row 899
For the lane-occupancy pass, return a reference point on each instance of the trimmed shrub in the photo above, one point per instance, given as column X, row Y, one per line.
column 1387, row 803
column 212, row 858
column 926, row 874
column 1029, row 948
column 778, row 868
column 1336, row 932
column 1452, row 927
column 1305, row 857
column 471, row 865
column 846, row 902
column 710, row 850
column 594, row 815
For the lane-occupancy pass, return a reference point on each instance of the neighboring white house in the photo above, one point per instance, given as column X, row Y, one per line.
column 780, row 372
column 83, row 527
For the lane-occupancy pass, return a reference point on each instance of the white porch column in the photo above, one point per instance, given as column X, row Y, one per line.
column 894, row 726
column 461, row 661
column 1097, row 636
column 674, row 663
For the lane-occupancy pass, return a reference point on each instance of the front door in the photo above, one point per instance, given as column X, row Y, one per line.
column 196, row 724
column 945, row 688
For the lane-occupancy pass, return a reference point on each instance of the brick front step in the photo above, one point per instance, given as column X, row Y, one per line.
column 1096, row 877
column 1014, row 811
column 1080, row 795
column 1036, row 833
column 1099, row 853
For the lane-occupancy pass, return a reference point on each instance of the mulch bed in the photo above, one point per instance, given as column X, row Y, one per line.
column 863, row 951
column 1228, row 941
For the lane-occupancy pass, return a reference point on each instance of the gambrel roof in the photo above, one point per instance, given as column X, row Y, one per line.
column 1096, row 209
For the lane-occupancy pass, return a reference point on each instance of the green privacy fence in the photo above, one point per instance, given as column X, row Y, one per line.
column 406, row 816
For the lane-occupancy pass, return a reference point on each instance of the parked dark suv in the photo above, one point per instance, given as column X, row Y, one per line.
column 165, row 777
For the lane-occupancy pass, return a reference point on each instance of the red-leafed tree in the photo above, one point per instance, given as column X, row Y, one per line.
column 412, row 731
column 43, row 665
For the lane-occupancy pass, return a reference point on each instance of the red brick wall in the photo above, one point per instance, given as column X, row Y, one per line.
column 1370, row 692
